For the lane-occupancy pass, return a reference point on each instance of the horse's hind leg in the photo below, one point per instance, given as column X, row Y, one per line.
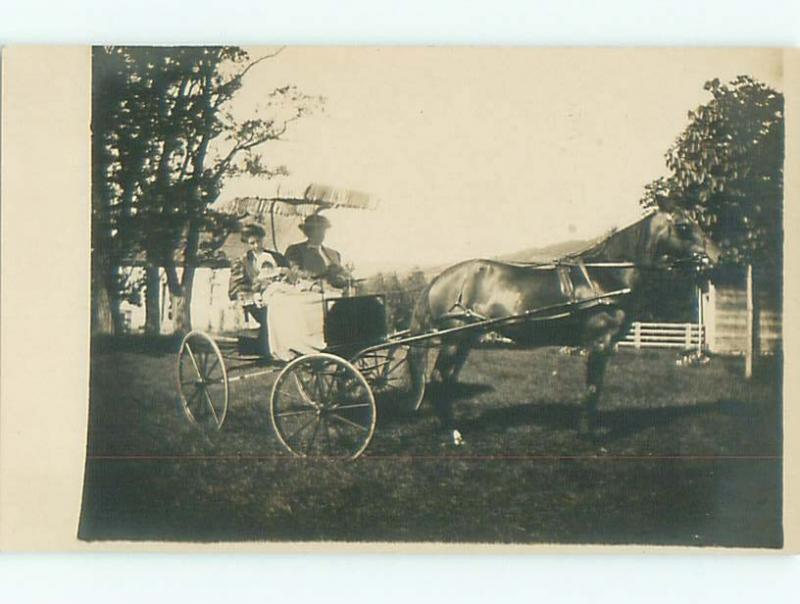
column 441, row 380
column 451, row 360
column 449, row 363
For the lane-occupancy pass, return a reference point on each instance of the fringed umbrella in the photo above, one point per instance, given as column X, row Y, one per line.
column 281, row 215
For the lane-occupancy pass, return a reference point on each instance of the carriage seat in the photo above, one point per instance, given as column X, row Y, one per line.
column 280, row 259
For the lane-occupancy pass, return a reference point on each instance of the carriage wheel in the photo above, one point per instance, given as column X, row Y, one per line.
column 388, row 372
column 202, row 381
column 321, row 406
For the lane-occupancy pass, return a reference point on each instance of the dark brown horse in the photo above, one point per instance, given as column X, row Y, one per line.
column 476, row 290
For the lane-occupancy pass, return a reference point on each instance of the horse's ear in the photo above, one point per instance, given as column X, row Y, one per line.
column 666, row 204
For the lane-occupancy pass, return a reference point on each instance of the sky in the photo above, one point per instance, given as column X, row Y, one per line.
column 480, row 152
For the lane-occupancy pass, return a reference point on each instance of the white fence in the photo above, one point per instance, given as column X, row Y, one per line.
column 686, row 336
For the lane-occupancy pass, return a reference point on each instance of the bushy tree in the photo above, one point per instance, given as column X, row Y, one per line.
column 400, row 293
column 727, row 167
column 164, row 142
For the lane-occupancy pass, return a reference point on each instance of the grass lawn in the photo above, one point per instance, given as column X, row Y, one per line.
column 693, row 457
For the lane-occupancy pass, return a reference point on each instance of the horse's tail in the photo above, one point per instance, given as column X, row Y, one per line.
column 422, row 322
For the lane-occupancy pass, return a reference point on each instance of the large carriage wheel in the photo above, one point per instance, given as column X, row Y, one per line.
column 388, row 371
column 202, row 381
column 321, row 406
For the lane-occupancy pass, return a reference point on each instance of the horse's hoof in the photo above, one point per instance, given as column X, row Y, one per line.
column 589, row 425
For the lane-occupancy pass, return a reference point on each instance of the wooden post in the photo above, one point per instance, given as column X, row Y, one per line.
column 710, row 318
column 699, row 319
column 152, row 325
column 750, row 346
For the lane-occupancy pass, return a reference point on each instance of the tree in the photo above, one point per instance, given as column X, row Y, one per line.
column 167, row 140
column 400, row 294
column 111, row 99
column 727, row 167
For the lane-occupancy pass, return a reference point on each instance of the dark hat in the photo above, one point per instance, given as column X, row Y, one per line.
column 253, row 230
column 316, row 220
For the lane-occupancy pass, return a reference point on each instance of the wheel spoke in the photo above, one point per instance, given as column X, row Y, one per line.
column 293, row 413
column 392, row 369
column 300, row 429
column 195, row 397
column 194, row 361
column 214, row 365
column 351, row 388
column 349, row 423
column 327, row 434
column 331, row 387
column 376, row 363
column 313, row 437
column 319, row 380
column 297, row 398
column 211, row 406
column 320, row 395
column 302, row 386
column 353, row 406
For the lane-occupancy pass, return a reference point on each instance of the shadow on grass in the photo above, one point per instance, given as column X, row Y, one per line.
column 766, row 369
column 619, row 423
column 455, row 392
column 151, row 345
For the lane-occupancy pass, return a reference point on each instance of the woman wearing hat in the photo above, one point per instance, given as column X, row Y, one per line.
column 315, row 259
column 251, row 273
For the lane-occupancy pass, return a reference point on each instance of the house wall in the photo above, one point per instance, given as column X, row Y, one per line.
column 725, row 316
column 212, row 311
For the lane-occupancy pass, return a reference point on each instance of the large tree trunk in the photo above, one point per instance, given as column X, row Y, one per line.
column 114, row 303
column 106, row 315
column 180, row 295
column 152, row 300
column 102, row 320
column 181, row 312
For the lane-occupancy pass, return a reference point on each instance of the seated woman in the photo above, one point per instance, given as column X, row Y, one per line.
column 314, row 259
column 251, row 274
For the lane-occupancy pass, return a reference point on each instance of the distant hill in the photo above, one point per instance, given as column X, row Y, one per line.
column 548, row 253
column 534, row 254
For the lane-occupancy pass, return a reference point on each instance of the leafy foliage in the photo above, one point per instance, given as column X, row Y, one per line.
column 400, row 293
column 165, row 139
column 727, row 167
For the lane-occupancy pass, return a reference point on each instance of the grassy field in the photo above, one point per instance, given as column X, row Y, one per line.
column 693, row 457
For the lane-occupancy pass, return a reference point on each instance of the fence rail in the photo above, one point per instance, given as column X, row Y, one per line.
column 664, row 335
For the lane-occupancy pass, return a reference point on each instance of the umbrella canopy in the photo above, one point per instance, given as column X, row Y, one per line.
column 282, row 215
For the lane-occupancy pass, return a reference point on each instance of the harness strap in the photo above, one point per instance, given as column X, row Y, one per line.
column 567, row 286
column 586, row 276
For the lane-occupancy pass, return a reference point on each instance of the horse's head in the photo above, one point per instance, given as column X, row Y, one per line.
column 675, row 239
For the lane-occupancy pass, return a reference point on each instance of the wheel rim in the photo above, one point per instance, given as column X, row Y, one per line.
column 388, row 372
column 202, row 381
column 321, row 406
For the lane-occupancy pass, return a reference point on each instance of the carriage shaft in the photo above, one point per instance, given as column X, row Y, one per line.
column 557, row 310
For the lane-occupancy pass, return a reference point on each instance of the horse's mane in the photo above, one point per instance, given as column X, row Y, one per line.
column 599, row 250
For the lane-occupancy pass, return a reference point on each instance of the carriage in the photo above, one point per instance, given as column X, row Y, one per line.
column 321, row 404
column 325, row 404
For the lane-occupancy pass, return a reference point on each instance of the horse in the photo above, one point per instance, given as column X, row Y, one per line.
column 478, row 290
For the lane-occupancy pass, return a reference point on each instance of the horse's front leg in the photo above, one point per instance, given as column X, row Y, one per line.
column 605, row 327
column 589, row 422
